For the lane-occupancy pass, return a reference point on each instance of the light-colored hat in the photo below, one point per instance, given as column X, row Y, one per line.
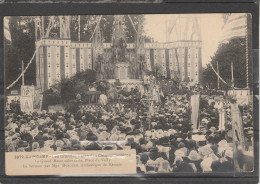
column 206, row 164
column 194, row 156
column 229, row 154
column 205, row 151
column 180, row 153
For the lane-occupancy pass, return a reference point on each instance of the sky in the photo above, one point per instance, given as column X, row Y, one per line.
column 211, row 26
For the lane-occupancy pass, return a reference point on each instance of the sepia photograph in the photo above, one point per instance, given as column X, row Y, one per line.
column 128, row 94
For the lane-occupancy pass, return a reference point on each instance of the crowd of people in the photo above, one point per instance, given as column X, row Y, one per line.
column 161, row 134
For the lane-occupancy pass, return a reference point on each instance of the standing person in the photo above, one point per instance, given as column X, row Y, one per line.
column 112, row 93
column 117, row 83
column 18, row 107
column 103, row 100
column 12, row 106
column 132, row 92
column 92, row 88
column 146, row 81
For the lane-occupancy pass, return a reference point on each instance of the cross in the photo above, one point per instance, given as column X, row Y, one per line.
column 66, row 54
column 89, row 56
column 89, row 65
column 49, row 55
column 49, row 65
column 81, row 56
column 58, row 55
column 58, row 75
column 58, row 65
column 67, row 65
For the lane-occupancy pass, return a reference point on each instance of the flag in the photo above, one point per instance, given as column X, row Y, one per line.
column 235, row 26
column 7, row 34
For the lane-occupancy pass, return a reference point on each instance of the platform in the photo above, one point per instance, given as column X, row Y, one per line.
column 129, row 83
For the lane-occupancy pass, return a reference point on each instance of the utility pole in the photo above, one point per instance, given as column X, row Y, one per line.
column 36, row 28
column 42, row 27
column 218, row 74
column 79, row 28
column 247, row 80
column 22, row 73
column 166, row 29
column 232, row 75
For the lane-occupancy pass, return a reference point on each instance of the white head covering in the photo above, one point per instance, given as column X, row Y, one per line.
column 206, row 164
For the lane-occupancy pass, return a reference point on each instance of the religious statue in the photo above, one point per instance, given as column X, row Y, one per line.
column 120, row 50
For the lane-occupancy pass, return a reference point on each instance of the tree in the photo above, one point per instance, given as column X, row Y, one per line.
column 234, row 51
column 21, row 49
column 68, row 88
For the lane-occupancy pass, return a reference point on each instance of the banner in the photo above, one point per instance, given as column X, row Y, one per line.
column 222, row 119
column 27, row 91
column 26, row 104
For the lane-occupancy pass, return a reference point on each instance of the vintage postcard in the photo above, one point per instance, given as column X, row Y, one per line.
column 128, row 94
